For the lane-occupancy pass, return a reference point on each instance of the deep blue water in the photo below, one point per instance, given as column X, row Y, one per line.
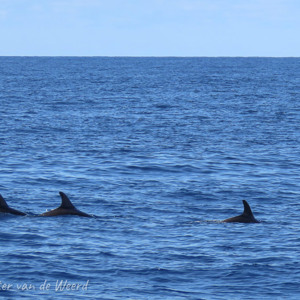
column 159, row 150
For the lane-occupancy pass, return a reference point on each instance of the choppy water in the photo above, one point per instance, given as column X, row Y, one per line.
column 157, row 149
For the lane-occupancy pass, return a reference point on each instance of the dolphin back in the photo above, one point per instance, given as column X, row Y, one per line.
column 246, row 217
column 6, row 209
column 66, row 208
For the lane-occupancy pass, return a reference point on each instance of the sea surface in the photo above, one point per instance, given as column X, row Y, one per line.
column 159, row 151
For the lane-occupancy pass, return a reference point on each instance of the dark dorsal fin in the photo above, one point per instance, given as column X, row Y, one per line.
column 247, row 209
column 65, row 201
column 3, row 203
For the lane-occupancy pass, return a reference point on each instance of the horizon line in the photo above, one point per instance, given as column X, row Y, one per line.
column 153, row 56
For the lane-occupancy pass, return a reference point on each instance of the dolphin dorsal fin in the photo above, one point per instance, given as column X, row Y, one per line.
column 3, row 202
column 247, row 209
column 65, row 201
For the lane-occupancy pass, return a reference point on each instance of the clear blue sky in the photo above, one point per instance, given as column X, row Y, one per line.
column 150, row 27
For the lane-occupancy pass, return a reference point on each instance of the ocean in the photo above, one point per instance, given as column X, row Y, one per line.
column 159, row 151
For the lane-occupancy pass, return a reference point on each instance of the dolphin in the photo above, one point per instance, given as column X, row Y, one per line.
column 245, row 217
column 4, row 208
column 66, row 208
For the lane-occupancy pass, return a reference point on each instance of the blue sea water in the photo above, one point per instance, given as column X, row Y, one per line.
column 159, row 150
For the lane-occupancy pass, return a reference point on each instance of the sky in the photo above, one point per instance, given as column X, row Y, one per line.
column 150, row 28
